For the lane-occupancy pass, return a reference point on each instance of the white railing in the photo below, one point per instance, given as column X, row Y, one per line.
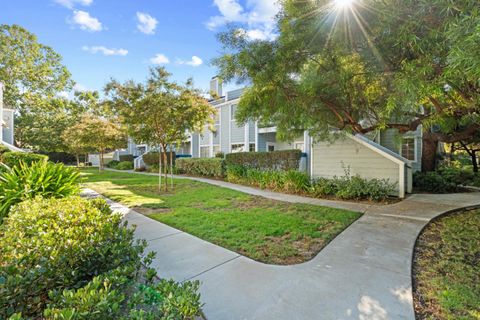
column 138, row 162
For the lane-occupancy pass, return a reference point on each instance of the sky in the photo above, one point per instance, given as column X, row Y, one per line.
column 122, row 39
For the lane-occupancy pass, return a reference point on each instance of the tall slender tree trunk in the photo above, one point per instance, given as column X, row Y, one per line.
column 159, row 169
column 165, row 165
column 100, row 165
column 429, row 152
column 78, row 159
column 473, row 155
column 171, row 167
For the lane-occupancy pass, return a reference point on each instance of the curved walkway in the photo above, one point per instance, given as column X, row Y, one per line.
column 364, row 273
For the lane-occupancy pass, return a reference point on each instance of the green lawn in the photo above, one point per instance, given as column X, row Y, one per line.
column 447, row 268
column 265, row 230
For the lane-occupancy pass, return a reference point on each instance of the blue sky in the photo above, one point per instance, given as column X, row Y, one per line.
column 100, row 39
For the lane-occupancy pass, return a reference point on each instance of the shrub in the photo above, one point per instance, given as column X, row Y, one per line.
column 63, row 157
column 126, row 157
column 124, row 165
column 112, row 164
column 220, row 155
column 433, row 182
column 209, row 167
column 59, row 244
column 353, row 188
column 276, row 160
column 3, row 149
column 140, row 169
column 151, row 159
column 12, row 159
column 26, row 181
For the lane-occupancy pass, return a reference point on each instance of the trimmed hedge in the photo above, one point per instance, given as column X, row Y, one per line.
column 14, row 158
column 209, row 167
column 444, row 180
column 124, row 165
column 151, row 158
column 126, row 157
column 276, row 160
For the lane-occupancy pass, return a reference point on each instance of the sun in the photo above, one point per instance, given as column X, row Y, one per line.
column 342, row 4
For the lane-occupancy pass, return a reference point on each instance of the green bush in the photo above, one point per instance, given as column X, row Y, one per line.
column 12, row 159
column 126, row 157
column 209, row 167
column 353, row 188
column 457, row 175
column 277, row 160
column 3, row 149
column 56, row 244
column 433, row 182
column 220, row 155
column 124, row 165
column 26, row 181
column 151, row 159
column 112, row 164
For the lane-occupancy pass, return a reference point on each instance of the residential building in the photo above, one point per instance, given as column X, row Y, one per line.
column 382, row 154
column 7, row 123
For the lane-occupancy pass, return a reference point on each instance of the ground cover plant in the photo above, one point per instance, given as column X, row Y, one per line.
column 266, row 230
column 73, row 258
column 447, row 268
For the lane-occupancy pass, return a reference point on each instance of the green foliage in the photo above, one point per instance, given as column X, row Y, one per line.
column 58, row 244
column 208, row 167
column 112, row 164
column 220, row 155
column 152, row 158
column 126, row 157
column 124, row 165
column 32, row 72
column 3, row 149
column 26, row 181
column 12, row 159
column 276, row 160
column 444, row 180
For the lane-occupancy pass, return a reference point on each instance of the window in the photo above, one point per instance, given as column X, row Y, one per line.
column 408, row 148
column 205, row 152
column 251, row 147
column 216, row 149
column 270, row 147
column 300, row 146
column 233, row 111
column 238, row 147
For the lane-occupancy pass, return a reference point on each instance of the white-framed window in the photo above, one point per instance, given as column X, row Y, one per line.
column 204, row 151
column 251, row 147
column 408, row 149
column 216, row 149
column 237, row 147
column 300, row 146
column 233, row 111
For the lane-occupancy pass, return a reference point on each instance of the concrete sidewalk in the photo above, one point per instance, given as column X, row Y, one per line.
column 364, row 273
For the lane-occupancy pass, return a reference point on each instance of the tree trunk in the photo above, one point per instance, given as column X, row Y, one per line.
column 165, row 165
column 159, row 169
column 473, row 155
column 429, row 152
column 452, row 151
column 100, row 165
column 78, row 159
column 171, row 167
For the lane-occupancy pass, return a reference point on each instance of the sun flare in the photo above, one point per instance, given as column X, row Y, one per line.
column 341, row 4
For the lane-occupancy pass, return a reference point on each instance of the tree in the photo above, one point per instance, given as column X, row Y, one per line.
column 75, row 142
column 32, row 72
column 159, row 112
column 375, row 65
column 96, row 134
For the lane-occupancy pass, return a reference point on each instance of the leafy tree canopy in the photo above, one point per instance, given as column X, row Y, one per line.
column 32, row 72
column 373, row 65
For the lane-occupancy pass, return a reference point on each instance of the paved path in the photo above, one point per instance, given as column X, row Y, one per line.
column 364, row 273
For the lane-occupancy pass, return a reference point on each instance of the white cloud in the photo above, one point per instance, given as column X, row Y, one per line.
column 105, row 51
column 79, row 87
column 146, row 23
column 160, row 59
column 194, row 62
column 85, row 21
column 258, row 16
column 63, row 94
column 71, row 3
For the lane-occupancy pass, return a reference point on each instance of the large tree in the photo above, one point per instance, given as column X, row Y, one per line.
column 371, row 65
column 32, row 72
column 159, row 112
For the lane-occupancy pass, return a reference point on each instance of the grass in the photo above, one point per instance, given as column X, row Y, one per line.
column 265, row 230
column 447, row 268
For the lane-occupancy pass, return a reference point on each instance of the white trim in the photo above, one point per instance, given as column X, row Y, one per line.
column 246, row 137
column 415, row 148
column 256, row 136
column 236, row 143
column 401, row 181
column 399, row 159
column 267, row 130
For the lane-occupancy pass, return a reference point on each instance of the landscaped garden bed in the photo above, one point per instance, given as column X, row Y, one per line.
column 265, row 230
column 446, row 268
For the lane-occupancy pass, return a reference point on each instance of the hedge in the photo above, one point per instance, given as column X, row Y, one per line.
column 276, row 160
column 126, row 157
column 14, row 158
column 209, row 167
column 151, row 158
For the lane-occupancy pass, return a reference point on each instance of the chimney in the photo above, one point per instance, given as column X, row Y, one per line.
column 216, row 86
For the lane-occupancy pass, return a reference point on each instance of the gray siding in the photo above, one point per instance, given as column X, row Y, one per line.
column 251, row 133
column 391, row 140
column 224, row 127
column 235, row 94
column 195, row 144
column 331, row 159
